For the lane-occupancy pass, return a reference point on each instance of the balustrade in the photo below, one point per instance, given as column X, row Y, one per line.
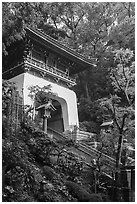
column 50, row 69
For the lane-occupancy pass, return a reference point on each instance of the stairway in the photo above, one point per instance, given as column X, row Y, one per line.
column 87, row 152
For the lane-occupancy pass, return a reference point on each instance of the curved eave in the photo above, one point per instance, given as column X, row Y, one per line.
column 54, row 45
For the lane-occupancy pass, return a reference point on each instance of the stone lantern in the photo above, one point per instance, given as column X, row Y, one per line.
column 46, row 113
column 107, row 126
column 105, row 130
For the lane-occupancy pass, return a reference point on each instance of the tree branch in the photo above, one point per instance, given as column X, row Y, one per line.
column 127, row 98
column 124, row 74
column 124, row 91
column 127, row 85
column 123, row 122
column 114, row 116
column 128, row 8
column 117, row 82
column 75, row 25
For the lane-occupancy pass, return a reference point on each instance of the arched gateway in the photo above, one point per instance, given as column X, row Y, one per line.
column 40, row 60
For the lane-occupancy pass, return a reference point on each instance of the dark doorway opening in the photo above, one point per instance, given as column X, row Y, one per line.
column 56, row 120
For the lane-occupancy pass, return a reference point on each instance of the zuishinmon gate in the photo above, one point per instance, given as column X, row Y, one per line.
column 41, row 60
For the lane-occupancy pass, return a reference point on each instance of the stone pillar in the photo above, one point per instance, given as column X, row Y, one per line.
column 45, row 119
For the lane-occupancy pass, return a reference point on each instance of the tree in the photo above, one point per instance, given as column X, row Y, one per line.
column 17, row 15
column 104, row 22
column 121, row 105
column 122, row 33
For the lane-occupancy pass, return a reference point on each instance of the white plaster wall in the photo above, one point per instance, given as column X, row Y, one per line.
column 65, row 96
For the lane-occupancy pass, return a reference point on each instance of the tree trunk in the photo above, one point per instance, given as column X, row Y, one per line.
column 118, row 155
column 87, row 91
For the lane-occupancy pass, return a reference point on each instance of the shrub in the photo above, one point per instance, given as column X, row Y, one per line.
column 39, row 144
column 49, row 172
column 20, row 175
column 70, row 164
column 81, row 194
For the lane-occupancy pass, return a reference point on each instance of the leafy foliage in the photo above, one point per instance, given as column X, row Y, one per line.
column 40, row 95
column 120, row 107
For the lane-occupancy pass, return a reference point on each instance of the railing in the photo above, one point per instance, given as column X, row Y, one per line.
column 107, row 160
column 82, row 135
column 50, row 70
column 56, row 135
column 88, row 149
column 89, row 153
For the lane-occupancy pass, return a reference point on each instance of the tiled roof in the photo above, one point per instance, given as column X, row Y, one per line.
column 62, row 49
